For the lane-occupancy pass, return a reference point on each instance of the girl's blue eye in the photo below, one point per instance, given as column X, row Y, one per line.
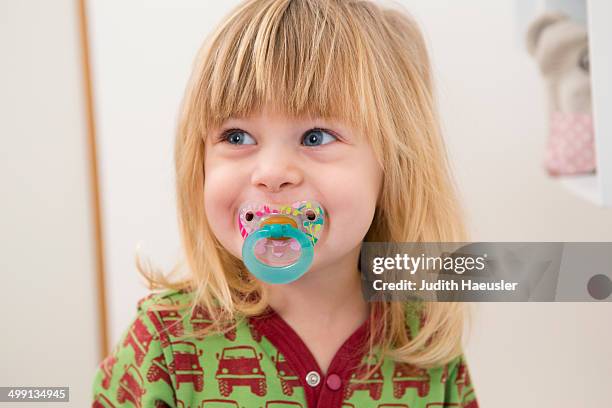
column 317, row 137
column 238, row 137
column 314, row 137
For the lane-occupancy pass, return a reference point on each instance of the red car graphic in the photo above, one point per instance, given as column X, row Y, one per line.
column 463, row 377
column 107, row 369
column 283, row 404
column 285, row 373
column 374, row 384
column 255, row 334
column 131, row 386
column 200, row 320
column 139, row 339
column 186, row 366
column 471, row 404
column 217, row 403
column 159, row 371
column 444, row 374
column 101, row 401
column 409, row 376
column 168, row 321
column 239, row 366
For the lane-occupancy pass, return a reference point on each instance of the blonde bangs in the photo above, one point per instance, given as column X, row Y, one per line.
column 294, row 56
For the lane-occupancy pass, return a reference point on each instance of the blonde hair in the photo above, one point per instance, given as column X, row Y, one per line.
column 351, row 60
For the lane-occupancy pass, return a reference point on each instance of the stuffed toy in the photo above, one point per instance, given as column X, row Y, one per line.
column 559, row 45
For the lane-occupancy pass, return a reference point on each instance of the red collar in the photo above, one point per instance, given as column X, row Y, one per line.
column 347, row 358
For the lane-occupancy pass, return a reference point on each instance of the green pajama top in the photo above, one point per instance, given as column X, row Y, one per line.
column 263, row 363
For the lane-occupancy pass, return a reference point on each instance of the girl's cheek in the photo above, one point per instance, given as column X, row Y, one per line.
column 217, row 199
column 223, row 180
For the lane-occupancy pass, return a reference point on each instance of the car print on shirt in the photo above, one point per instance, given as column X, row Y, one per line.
column 283, row 404
column 159, row 370
column 288, row 378
column 239, row 366
column 107, row 370
column 384, row 405
column 218, row 403
column 102, row 401
column 255, row 334
column 138, row 371
column 185, row 365
column 200, row 320
column 166, row 321
column 471, row 404
column 409, row 376
column 463, row 377
column 444, row 376
column 462, row 380
column 139, row 339
column 374, row 384
column 131, row 386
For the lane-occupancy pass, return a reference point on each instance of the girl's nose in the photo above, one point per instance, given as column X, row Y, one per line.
column 275, row 172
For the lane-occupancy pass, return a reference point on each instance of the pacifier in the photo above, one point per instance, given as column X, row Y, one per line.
column 280, row 239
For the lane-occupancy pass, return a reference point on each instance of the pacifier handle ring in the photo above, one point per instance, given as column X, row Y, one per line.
column 277, row 274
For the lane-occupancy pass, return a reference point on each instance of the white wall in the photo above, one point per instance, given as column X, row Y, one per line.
column 48, row 305
column 493, row 106
column 141, row 53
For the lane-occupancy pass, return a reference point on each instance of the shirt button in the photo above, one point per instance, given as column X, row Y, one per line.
column 334, row 382
column 313, row 378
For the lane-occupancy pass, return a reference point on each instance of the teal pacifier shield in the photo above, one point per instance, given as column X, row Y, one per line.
column 277, row 274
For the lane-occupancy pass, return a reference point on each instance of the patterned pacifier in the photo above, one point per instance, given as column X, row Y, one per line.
column 280, row 239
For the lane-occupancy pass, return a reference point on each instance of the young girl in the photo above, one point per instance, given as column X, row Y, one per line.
column 329, row 100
